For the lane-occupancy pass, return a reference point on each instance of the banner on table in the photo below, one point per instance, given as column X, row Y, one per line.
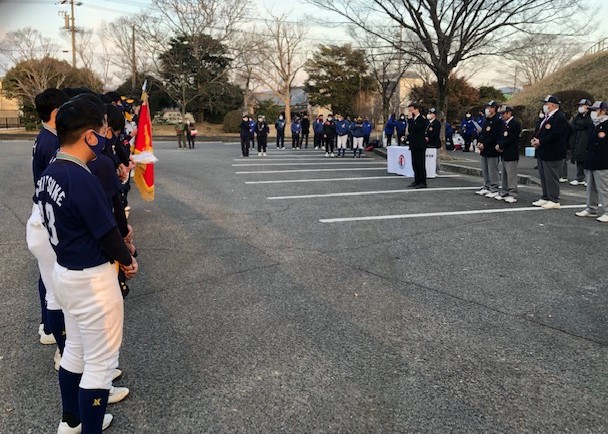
column 399, row 161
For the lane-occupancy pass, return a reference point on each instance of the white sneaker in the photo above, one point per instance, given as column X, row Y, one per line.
column 259, row 154
column 316, row 147
column 575, row 182
column 482, row 192
column 117, row 374
column 603, row 218
column 44, row 338
column 499, row 197
column 585, row 213
column 551, row 205
column 492, row 195
column 64, row 428
column 283, row 148
column 326, row 154
column 539, row 202
column 264, row 154
column 332, row 155
column 562, row 180
column 117, row 394
column 57, row 359
column 510, row 199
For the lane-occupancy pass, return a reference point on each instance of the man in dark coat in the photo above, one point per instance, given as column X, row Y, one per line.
column 508, row 148
column 582, row 127
column 305, row 130
column 551, row 142
column 491, row 130
column 416, row 128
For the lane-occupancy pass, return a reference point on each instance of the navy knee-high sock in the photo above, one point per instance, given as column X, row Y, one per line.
column 57, row 326
column 93, row 403
column 43, row 312
column 68, row 384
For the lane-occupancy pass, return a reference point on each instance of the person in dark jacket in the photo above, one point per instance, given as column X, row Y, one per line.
column 280, row 127
column 367, row 132
column 329, row 135
column 252, row 124
column 261, row 130
column 342, row 130
column 432, row 135
column 305, row 130
column 358, row 132
column 244, row 131
column 596, row 164
column 317, row 129
column 551, row 143
column 508, row 148
column 468, row 131
column 416, row 127
column 296, row 130
column 487, row 141
column 389, row 129
column 582, row 127
column 401, row 127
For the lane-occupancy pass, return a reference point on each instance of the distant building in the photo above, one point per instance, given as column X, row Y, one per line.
column 299, row 99
column 173, row 116
column 509, row 92
column 10, row 112
column 407, row 82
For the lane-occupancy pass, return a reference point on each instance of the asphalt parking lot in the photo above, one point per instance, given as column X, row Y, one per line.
column 308, row 295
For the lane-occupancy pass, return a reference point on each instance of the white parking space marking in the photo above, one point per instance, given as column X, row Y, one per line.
column 320, row 158
column 338, row 169
column 295, row 181
column 441, row 214
column 328, row 163
column 366, row 193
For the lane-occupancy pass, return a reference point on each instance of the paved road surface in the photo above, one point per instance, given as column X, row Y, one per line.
column 257, row 311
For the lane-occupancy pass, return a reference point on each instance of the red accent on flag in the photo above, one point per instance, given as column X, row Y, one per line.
column 144, row 173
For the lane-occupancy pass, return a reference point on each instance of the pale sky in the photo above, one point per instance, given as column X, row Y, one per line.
column 44, row 15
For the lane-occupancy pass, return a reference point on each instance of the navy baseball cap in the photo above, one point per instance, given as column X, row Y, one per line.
column 599, row 105
column 584, row 102
column 506, row 108
column 552, row 99
column 492, row 104
column 433, row 110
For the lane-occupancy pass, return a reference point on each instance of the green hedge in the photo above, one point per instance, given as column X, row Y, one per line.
column 232, row 121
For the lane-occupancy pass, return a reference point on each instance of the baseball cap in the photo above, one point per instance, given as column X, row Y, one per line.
column 599, row 105
column 552, row 99
column 492, row 104
column 584, row 102
column 433, row 110
column 506, row 108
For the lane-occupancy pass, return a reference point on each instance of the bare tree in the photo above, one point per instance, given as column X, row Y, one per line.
column 281, row 57
column 535, row 57
column 445, row 33
column 27, row 44
column 247, row 64
column 387, row 65
column 84, row 46
column 188, row 20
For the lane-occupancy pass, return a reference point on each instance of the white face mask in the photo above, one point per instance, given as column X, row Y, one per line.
column 280, row 118
column 582, row 109
column 468, row 116
column 545, row 109
column 594, row 116
column 541, row 115
column 430, row 117
column 487, row 112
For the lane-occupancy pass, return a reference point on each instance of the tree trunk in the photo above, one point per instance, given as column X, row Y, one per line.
column 442, row 90
column 288, row 112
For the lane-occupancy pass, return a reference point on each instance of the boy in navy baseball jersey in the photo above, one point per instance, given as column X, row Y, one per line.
column 83, row 232
column 46, row 146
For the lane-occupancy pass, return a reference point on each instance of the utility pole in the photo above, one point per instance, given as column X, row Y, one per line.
column 70, row 25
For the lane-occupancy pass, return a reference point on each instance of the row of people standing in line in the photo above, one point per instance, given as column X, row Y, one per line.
column 341, row 133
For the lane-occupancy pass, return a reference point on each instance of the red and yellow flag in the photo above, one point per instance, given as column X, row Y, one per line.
column 144, row 173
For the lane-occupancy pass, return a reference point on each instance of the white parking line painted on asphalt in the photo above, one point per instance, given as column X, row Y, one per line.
column 295, row 181
column 338, row 169
column 320, row 158
column 365, row 193
column 329, row 163
column 440, row 214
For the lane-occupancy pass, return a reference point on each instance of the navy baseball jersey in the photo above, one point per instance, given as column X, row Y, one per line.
column 76, row 212
column 45, row 148
column 103, row 168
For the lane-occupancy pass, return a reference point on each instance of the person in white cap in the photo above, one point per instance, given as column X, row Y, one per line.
column 596, row 164
column 551, row 142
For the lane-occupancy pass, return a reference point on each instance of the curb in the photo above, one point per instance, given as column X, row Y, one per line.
column 467, row 170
